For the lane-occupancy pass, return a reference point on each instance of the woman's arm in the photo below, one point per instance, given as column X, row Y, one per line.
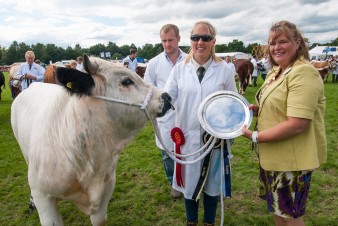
column 289, row 128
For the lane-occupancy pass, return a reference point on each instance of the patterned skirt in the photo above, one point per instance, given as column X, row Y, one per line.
column 286, row 193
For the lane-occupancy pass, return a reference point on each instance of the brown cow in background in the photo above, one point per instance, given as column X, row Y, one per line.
column 244, row 69
column 323, row 68
column 50, row 73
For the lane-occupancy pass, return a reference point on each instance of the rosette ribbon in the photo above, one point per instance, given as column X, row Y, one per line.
column 178, row 137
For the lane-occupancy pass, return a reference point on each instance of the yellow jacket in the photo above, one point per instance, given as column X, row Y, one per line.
column 298, row 93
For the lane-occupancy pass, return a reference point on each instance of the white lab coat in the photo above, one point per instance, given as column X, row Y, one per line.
column 188, row 93
column 157, row 73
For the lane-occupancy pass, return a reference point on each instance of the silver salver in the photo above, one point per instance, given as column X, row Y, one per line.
column 223, row 114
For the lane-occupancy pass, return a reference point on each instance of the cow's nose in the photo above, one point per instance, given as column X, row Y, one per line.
column 167, row 104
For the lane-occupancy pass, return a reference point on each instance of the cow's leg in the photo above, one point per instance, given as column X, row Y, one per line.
column 100, row 217
column 240, row 87
column 47, row 209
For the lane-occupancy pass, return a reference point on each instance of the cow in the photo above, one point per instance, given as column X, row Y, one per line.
column 244, row 69
column 71, row 134
column 50, row 73
column 13, row 82
column 2, row 82
column 141, row 69
column 323, row 68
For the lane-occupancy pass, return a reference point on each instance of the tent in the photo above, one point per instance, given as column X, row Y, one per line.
column 238, row 55
column 323, row 51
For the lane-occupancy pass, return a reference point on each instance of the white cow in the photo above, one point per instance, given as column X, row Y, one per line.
column 71, row 139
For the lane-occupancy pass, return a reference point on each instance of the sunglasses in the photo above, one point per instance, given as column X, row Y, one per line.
column 205, row 38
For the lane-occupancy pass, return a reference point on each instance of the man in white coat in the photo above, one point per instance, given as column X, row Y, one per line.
column 188, row 90
column 157, row 73
column 29, row 71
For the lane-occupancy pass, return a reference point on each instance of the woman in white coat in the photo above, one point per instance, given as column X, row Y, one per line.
column 188, row 90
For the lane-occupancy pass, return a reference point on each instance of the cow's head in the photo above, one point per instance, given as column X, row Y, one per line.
column 106, row 79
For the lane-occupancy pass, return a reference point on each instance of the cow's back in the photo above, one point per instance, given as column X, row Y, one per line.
column 29, row 111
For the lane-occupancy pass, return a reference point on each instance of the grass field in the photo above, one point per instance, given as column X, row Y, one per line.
column 141, row 196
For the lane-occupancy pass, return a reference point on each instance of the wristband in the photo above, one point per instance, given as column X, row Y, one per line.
column 255, row 137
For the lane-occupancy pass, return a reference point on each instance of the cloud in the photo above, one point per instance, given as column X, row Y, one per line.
column 67, row 23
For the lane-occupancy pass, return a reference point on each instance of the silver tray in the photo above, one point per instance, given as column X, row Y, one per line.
column 223, row 114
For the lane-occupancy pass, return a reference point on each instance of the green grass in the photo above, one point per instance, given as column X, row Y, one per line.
column 141, row 196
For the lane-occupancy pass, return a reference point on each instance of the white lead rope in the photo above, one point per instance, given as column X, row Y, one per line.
column 212, row 139
column 143, row 106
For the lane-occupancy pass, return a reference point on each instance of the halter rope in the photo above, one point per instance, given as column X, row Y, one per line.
column 142, row 106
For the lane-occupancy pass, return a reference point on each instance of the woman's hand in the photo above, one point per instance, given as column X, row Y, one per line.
column 246, row 132
column 254, row 109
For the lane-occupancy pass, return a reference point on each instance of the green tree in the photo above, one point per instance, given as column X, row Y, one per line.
column 222, row 48
column 97, row 49
column 125, row 50
column 52, row 53
column 16, row 53
column 114, row 50
column 236, row 46
column 38, row 50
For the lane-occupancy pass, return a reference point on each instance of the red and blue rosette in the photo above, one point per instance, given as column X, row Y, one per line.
column 178, row 137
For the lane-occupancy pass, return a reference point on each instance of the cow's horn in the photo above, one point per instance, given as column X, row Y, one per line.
column 90, row 67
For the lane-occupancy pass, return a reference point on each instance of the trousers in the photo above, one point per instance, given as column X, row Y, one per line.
column 169, row 165
column 210, row 207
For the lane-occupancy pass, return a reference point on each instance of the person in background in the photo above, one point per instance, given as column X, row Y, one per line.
column 290, row 132
column 231, row 65
column 131, row 59
column 157, row 73
column 29, row 71
column 334, row 71
column 255, row 71
column 265, row 66
column 37, row 61
column 201, row 74
column 79, row 60
column 126, row 64
column 73, row 64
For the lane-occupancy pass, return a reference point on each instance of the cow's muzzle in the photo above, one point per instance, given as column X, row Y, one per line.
column 166, row 105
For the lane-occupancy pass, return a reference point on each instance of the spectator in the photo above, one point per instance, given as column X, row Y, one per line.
column 126, row 64
column 157, row 73
column 231, row 65
column 29, row 71
column 73, row 64
column 131, row 59
column 255, row 71
column 201, row 74
column 79, row 60
column 264, row 62
column 290, row 127
column 334, row 72
column 37, row 61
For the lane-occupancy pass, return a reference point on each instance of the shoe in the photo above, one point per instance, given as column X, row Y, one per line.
column 175, row 194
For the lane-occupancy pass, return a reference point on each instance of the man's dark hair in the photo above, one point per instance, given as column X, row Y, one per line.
column 132, row 51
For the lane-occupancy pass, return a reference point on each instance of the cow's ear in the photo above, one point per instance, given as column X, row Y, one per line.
column 75, row 81
column 90, row 67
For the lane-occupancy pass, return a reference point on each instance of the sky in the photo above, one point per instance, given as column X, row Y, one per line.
column 90, row 22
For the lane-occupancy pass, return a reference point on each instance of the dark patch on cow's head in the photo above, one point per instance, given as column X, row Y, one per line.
column 75, row 81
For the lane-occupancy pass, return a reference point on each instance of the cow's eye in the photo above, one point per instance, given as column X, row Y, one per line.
column 127, row 82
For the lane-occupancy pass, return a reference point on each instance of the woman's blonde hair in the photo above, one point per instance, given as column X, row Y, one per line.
column 292, row 33
column 212, row 31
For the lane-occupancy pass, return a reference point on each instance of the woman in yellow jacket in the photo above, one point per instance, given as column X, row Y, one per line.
column 290, row 132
